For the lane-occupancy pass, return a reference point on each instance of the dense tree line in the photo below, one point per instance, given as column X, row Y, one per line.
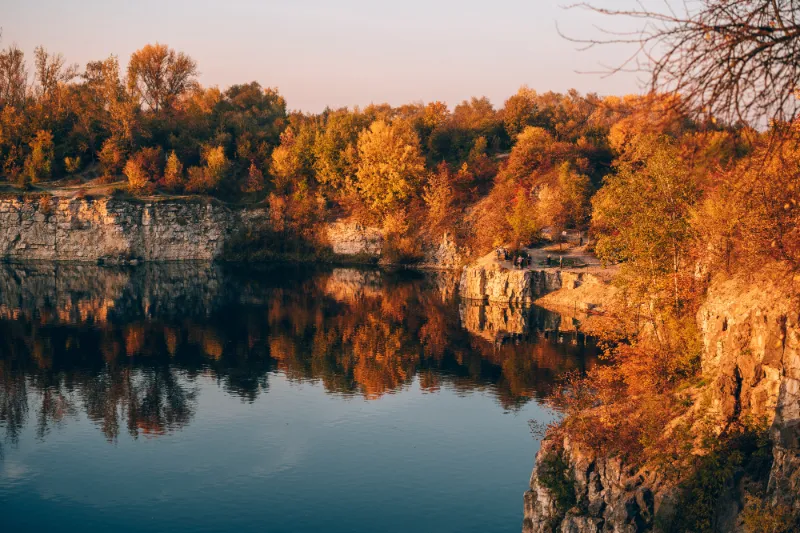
column 414, row 169
column 633, row 169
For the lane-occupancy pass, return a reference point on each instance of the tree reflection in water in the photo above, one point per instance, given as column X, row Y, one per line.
column 126, row 346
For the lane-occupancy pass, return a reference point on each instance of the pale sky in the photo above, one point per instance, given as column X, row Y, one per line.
column 336, row 53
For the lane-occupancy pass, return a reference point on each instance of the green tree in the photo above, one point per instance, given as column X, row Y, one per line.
column 335, row 154
column 641, row 215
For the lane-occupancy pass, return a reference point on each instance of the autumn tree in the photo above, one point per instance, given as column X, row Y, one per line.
column 292, row 160
column 255, row 180
column 751, row 215
column 390, row 165
column 173, row 173
column 438, row 195
column 523, row 220
column 216, row 170
column 13, row 77
column 159, row 76
column 111, row 157
column 39, row 163
column 641, row 216
column 52, row 72
column 576, row 192
column 335, row 153
column 532, row 151
column 144, row 169
column 520, row 111
column 72, row 164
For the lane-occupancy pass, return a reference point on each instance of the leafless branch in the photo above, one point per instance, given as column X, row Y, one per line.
column 738, row 60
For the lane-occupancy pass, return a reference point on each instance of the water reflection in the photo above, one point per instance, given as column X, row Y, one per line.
column 124, row 347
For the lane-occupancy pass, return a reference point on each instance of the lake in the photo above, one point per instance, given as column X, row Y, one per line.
column 197, row 397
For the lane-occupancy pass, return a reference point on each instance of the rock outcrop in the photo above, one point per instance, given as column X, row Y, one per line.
column 496, row 284
column 115, row 230
column 751, row 366
column 445, row 255
column 352, row 238
column 493, row 283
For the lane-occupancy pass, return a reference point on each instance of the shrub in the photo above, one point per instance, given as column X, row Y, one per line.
column 137, row 178
column 555, row 474
column 761, row 517
column 209, row 177
column 743, row 451
column 72, row 164
column 400, row 246
column 112, row 157
column 144, row 169
column 173, row 173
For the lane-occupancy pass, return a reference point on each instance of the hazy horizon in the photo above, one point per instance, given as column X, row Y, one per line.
column 351, row 54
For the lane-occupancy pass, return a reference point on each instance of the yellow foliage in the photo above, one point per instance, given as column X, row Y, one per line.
column 390, row 166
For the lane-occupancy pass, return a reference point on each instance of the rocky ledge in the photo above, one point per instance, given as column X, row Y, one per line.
column 493, row 283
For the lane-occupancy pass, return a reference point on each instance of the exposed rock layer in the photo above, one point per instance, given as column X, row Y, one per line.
column 353, row 238
column 496, row 284
column 751, row 364
column 116, row 230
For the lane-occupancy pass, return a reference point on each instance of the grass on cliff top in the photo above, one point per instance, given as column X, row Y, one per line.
column 100, row 188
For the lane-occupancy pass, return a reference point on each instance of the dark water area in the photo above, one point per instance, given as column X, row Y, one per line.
column 196, row 397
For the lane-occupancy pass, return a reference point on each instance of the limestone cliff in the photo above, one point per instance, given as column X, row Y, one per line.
column 444, row 254
column 491, row 282
column 496, row 284
column 109, row 229
column 353, row 238
column 117, row 230
column 751, row 367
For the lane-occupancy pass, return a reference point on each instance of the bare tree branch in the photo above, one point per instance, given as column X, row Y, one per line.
column 738, row 60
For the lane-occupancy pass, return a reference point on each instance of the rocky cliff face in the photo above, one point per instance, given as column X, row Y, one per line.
column 493, row 283
column 751, row 364
column 111, row 230
column 751, row 334
column 496, row 284
column 444, row 255
column 352, row 238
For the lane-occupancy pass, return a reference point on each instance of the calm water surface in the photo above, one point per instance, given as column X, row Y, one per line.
column 205, row 398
